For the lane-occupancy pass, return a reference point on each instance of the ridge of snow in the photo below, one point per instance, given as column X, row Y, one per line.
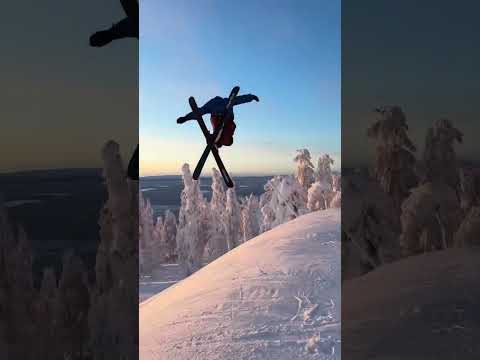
column 276, row 296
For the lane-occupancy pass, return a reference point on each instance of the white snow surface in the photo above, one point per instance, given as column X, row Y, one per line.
column 276, row 296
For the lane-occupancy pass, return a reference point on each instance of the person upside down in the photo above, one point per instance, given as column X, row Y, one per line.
column 215, row 107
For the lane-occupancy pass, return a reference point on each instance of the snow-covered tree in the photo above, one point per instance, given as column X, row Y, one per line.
column 430, row 216
column 336, row 182
column 73, row 307
column 266, row 210
column 439, row 156
column 318, row 196
column 324, row 189
column 169, row 233
column 217, row 231
column 75, row 319
column 394, row 159
column 432, row 212
column 468, row 234
column 324, row 170
column 305, row 169
column 336, row 201
column 370, row 226
column 233, row 220
column 116, row 287
column 250, row 218
column 158, row 247
column 146, row 235
column 192, row 236
column 285, row 199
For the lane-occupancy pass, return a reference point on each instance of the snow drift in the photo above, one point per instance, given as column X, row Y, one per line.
column 276, row 296
column 422, row 307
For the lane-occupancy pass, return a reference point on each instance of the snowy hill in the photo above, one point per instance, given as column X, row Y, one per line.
column 275, row 297
column 422, row 307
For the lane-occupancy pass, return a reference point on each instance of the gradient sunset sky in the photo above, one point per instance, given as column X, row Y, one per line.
column 62, row 99
column 285, row 52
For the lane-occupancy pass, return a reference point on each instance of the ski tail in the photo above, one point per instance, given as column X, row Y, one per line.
column 221, row 166
column 131, row 8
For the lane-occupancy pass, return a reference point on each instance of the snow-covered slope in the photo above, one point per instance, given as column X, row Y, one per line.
column 275, row 297
column 422, row 307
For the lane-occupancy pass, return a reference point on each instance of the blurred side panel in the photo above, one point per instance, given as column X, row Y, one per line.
column 411, row 185
column 68, row 208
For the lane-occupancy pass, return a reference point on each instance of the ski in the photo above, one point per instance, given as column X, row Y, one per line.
column 216, row 134
column 132, row 170
column 209, row 137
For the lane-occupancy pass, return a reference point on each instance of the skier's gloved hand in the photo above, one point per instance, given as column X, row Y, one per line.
column 181, row 120
column 255, row 97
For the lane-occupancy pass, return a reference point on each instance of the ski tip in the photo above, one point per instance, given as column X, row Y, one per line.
column 195, row 175
column 192, row 102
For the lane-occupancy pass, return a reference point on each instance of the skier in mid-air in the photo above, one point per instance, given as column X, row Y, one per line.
column 126, row 28
column 215, row 107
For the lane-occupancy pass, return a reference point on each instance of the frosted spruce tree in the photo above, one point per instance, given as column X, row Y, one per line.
column 285, row 199
column 158, row 247
column 370, row 227
column 217, row 229
column 116, row 287
column 305, row 172
column 322, row 192
column 250, row 218
column 169, row 233
column 318, row 196
column 233, row 220
column 75, row 319
column 17, row 293
column 469, row 189
column 73, row 306
column 323, row 173
column 432, row 212
column 146, row 235
column 430, row 216
column 336, row 200
column 468, row 233
column 192, row 236
column 394, row 159
column 439, row 157
column 267, row 212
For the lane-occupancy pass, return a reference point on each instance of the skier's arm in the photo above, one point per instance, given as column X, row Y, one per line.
column 242, row 99
column 190, row 116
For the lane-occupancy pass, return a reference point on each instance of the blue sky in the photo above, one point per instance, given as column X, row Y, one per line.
column 286, row 52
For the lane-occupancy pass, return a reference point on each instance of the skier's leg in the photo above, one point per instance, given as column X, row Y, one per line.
column 188, row 117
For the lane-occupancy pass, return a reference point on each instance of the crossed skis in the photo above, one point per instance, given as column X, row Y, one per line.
column 212, row 138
